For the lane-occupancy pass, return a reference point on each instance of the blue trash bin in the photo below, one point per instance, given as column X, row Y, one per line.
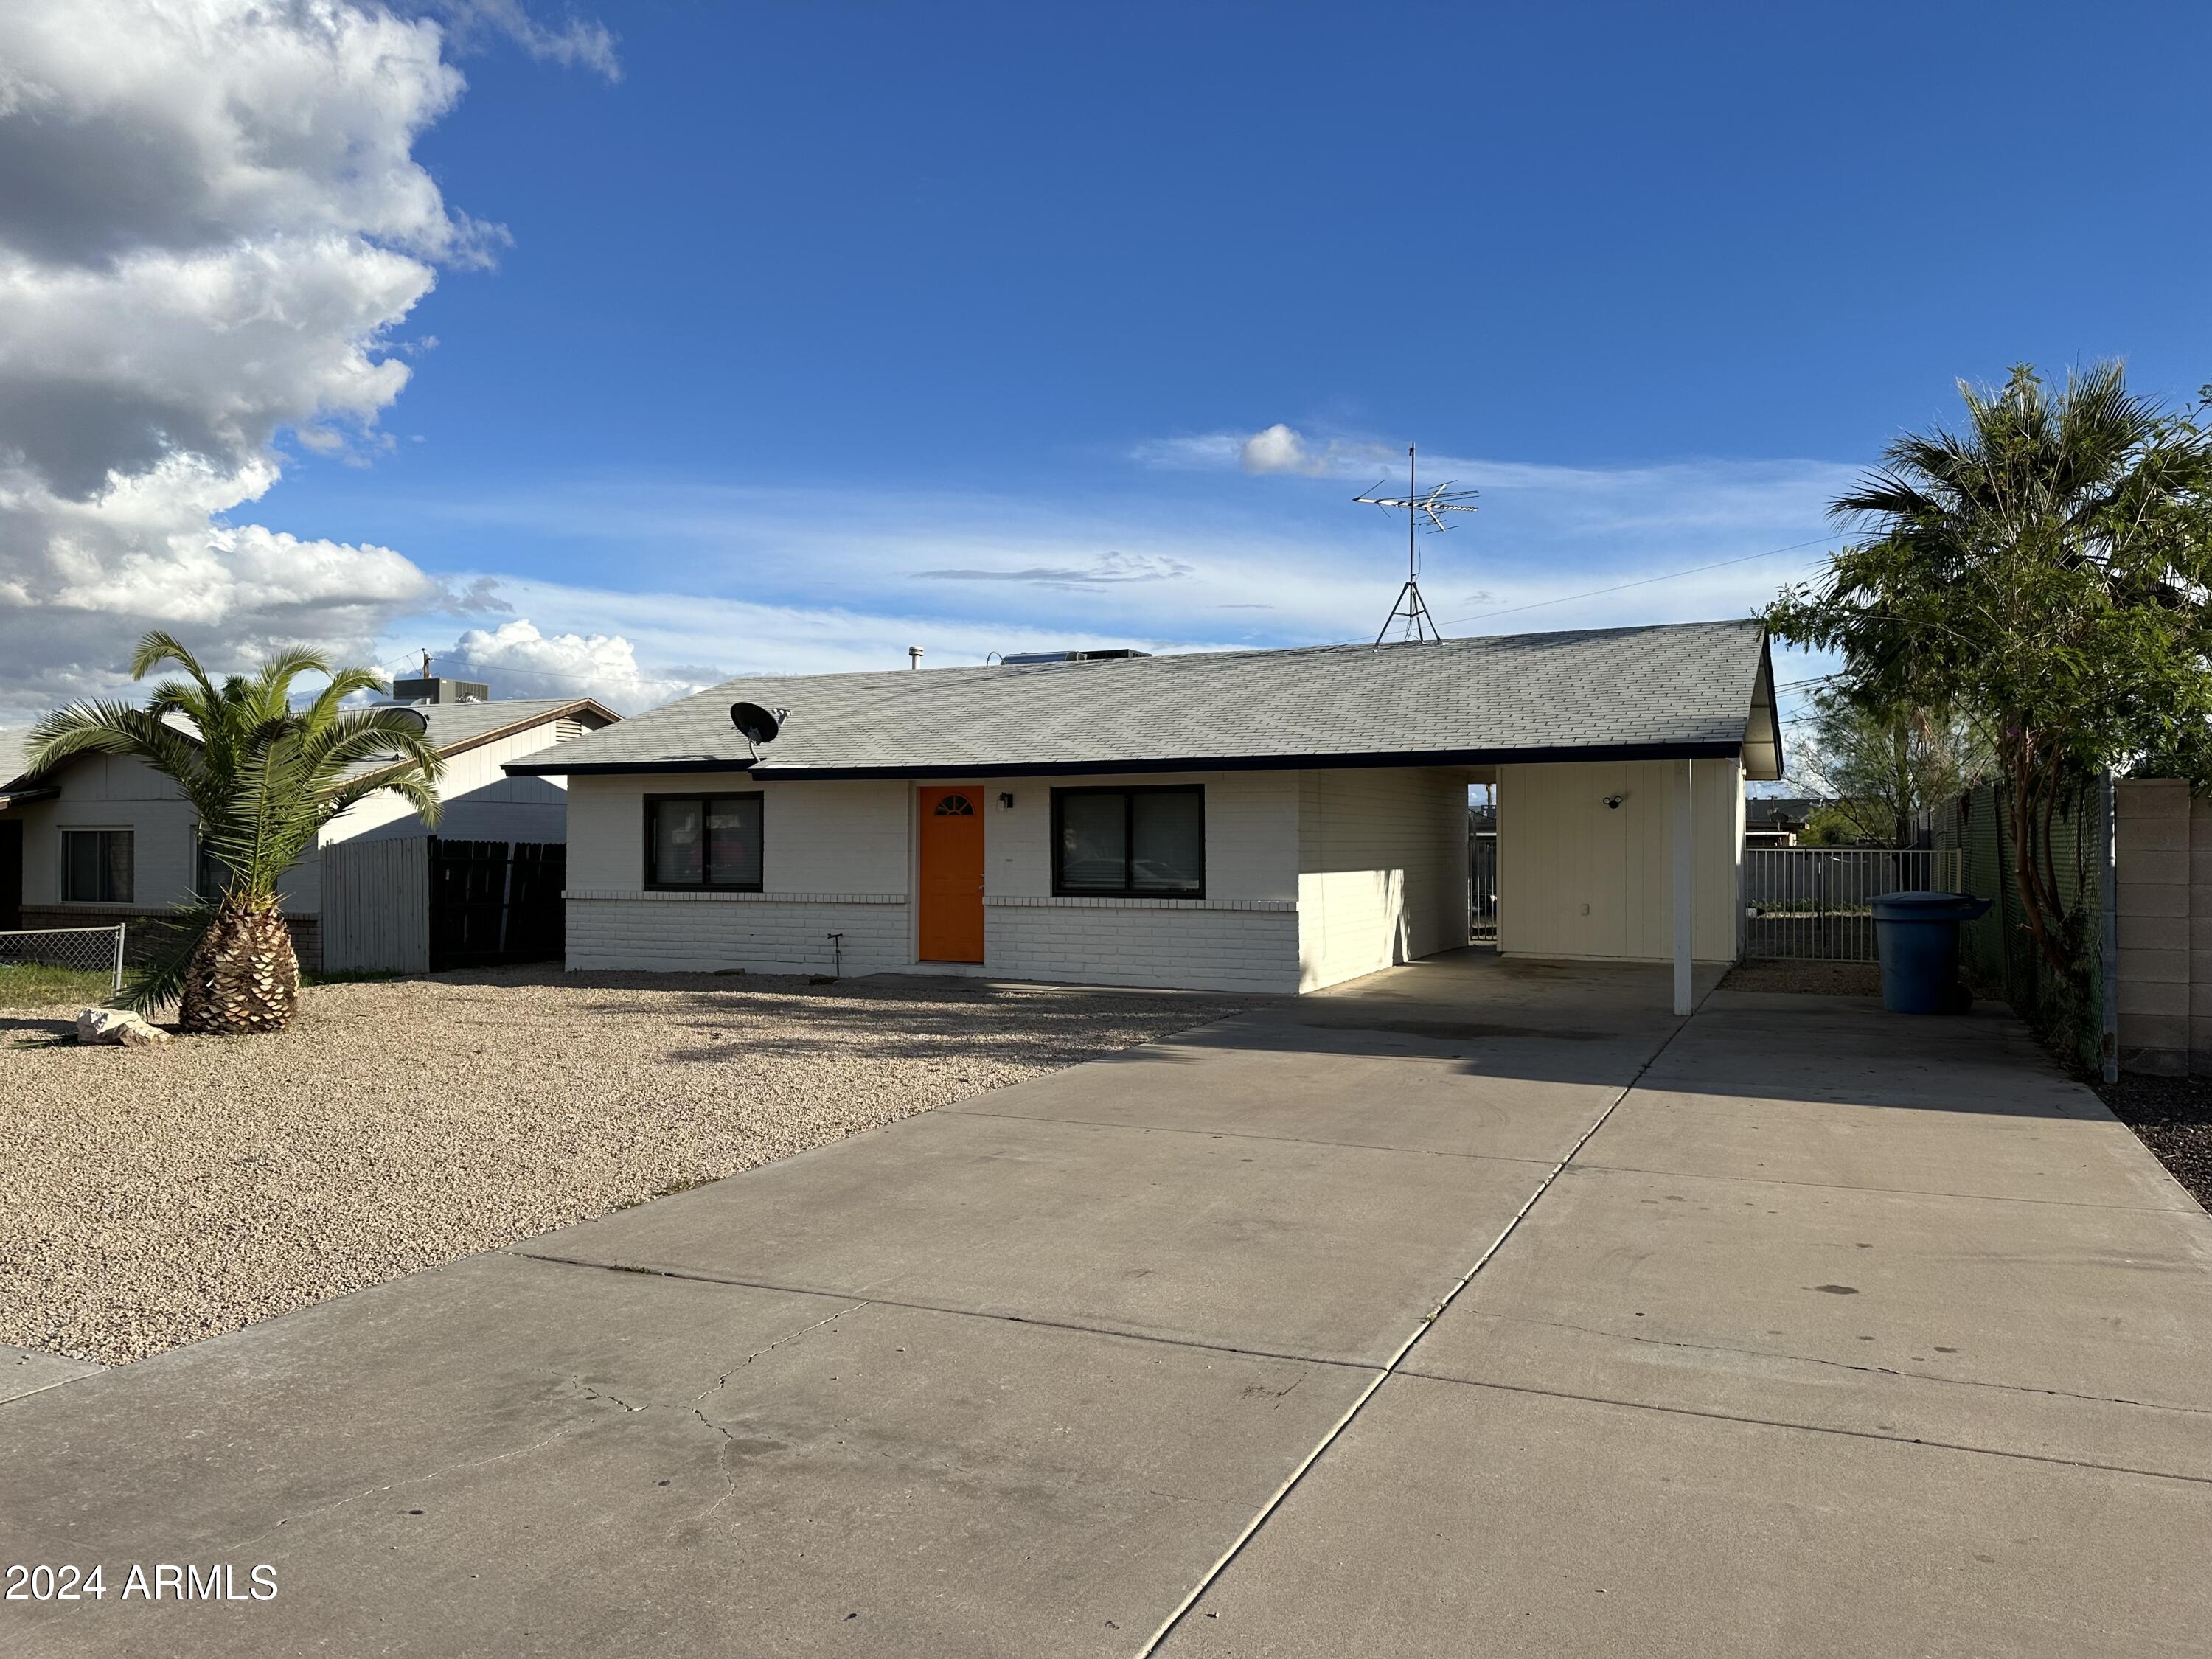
column 1917, row 937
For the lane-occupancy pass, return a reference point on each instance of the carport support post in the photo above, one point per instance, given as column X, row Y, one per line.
column 1685, row 866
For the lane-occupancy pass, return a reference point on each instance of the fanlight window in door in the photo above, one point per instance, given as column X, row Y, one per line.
column 956, row 806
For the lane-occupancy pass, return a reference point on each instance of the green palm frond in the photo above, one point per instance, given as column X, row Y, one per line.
column 156, row 979
column 263, row 776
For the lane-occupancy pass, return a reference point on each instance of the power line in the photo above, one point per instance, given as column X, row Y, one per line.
column 1642, row 582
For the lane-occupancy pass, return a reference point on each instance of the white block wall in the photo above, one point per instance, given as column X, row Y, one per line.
column 1383, row 874
column 1379, row 854
column 1242, row 936
column 835, row 858
column 701, row 932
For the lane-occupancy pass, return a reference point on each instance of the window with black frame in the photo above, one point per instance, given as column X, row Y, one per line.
column 1141, row 841
column 703, row 841
column 97, row 866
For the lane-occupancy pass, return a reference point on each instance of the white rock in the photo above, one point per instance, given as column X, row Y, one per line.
column 117, row 1025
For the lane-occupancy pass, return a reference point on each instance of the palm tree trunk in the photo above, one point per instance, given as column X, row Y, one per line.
column 244, row 977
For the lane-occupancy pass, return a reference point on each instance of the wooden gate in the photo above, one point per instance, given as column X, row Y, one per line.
column 493, row 901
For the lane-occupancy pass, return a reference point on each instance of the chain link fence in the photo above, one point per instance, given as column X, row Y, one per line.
column 91, row 951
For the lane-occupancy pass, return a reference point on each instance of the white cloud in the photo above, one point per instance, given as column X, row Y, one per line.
column 1109, row 569
column 577, row 42
column 211, row 223
column 516, row 660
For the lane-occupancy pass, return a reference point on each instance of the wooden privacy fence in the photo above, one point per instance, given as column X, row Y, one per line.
column 1817, row 901
column 421, row 903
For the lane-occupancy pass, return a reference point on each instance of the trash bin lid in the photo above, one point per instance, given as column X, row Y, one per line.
column 1928, row 907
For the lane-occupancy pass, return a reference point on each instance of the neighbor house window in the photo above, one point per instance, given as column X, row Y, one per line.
column 210, row 876
column 96, row 866
column 703, row 841
column 1129, row 841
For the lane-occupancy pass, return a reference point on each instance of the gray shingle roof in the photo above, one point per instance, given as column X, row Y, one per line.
column 450, row 726
column 1683, row 688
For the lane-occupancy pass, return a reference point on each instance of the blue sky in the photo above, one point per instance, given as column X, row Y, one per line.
column 811, row 305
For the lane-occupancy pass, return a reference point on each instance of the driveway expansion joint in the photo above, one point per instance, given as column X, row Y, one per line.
column 1246, row 1134
column 687, row 1276
column 1267, row 1511
column 1836, row 1364
column 1809, row 1428
column 1598, row 1167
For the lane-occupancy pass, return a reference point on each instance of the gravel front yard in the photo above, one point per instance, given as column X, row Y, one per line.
column 150, row 1197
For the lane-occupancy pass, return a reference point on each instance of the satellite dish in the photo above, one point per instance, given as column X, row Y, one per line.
column 757, row 725
column 415, row 717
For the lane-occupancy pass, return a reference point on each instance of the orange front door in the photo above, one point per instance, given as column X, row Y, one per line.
column 951, row 919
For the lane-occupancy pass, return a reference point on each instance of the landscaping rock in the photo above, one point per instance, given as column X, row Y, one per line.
column 117, row 1025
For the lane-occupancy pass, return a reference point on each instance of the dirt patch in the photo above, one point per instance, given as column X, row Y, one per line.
column 1822, row 978
column 2172, row 1117
column 150, row 1197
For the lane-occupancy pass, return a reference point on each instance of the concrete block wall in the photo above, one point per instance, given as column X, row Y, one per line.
column 763, row 934
column 2163, row 843
column 1223, row 945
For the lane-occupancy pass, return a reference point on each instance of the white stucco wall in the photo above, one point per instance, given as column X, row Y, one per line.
column 1578, row 879
column 1382, row 869
column 113, row 792
column 482, row 802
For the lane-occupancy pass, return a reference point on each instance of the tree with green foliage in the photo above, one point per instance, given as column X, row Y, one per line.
column 264, row 777
column 1881, row 769
column 2045, row 572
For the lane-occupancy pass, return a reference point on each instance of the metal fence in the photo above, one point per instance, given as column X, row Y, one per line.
column 1482, row 889
column 73, row 950
column 1817, row 903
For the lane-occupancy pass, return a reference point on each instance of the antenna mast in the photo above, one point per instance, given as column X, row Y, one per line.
column 1440, row 500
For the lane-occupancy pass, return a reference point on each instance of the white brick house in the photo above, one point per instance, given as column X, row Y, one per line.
column 1264, row 821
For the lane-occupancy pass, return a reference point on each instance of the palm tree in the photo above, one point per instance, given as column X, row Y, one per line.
column 264, row 777
column 2043, row 571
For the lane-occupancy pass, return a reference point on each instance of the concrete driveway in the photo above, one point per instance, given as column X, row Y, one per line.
column 1791, row 1328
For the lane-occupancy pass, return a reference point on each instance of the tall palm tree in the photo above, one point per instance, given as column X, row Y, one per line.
column 264, row 778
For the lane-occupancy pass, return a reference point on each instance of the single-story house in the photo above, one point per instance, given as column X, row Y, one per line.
column 1775, row 820
column 1266, row 821
column 106, row 838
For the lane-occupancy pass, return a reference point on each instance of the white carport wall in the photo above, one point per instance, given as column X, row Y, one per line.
column 1591, row 854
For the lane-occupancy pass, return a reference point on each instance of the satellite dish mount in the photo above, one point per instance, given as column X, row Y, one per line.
column 757, row 725
column 1432, row 506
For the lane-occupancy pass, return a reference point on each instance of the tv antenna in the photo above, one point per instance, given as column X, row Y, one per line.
column 1439, row 500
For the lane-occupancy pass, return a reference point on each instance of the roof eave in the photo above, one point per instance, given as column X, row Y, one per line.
column 1763, row 758
column 1721, row 749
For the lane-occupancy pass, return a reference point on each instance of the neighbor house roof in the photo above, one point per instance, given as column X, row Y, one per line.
column 454, row 727
column 13, row 786
column 1684, row 690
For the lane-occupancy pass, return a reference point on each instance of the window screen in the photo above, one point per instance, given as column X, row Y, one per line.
column 703, row 841
column 96, row 866
column 1130, row 841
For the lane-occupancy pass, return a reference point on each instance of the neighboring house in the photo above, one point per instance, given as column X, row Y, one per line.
column 106, row 838
column 1775, row 820
column 1266, row 821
